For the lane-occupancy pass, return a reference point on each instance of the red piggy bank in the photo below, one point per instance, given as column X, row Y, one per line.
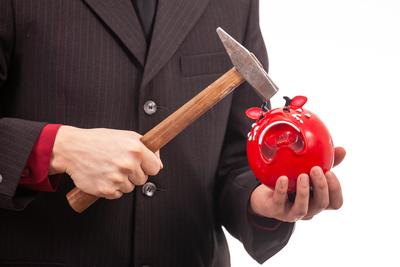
column 287, row 141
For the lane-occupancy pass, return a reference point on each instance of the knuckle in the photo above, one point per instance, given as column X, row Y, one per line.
column 129, row 187
column 105, row 191
column 125, row 165
column 303, row 194
column 135, row 135
column 140, row 179
column 136, row 149
column 321, row 186
column 117, row 179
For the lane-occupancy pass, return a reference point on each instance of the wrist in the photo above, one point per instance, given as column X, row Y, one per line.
column 254, row 203
column 64, row 138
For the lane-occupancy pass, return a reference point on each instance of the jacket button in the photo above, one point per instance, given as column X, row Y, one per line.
column 149, row 189
column 1, row 178
column 150, row 107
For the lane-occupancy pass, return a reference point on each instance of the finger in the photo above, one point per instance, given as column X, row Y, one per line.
column 158, row 155
column 127, row 186
column 335, row 191
column 115, row 195
column 110, row 189
column 279, row 198
column 307, row 217
column 340, row 154
column 150, row 164
column 300, row 205
column 138, row 177
column 320, row 199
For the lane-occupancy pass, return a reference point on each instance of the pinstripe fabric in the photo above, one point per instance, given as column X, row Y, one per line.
column 83, row 63
column 175, row 18
column 119, row 15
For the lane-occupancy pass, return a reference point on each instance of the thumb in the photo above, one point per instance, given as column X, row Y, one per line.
column 340, row 154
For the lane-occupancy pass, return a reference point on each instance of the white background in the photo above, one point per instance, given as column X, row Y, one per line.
column 344, row 56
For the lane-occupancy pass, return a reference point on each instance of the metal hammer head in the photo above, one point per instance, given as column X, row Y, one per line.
column 248, row 66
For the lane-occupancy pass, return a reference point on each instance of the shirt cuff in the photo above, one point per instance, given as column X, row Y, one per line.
column 35, row 175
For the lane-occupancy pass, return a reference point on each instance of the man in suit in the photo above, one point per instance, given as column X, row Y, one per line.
column 80, row 80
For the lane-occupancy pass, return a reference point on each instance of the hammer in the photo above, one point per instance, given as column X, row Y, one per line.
column 246, row 68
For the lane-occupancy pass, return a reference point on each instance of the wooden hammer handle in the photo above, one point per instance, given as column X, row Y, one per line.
column 166, row 130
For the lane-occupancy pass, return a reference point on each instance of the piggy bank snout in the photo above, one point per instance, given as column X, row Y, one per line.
column 281, row 135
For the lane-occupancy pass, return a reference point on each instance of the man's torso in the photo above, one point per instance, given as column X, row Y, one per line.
column 78, row 63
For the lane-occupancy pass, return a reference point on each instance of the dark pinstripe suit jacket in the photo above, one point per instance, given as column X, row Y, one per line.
column 85, row 63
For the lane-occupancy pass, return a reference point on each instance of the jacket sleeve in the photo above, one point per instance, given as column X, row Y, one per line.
column 17, row 136
column 235, row 181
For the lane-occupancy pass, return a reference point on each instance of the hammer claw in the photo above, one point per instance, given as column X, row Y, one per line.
column 247, row 64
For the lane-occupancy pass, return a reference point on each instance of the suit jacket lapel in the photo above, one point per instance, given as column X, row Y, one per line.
column 174, row 20
column 121, row 18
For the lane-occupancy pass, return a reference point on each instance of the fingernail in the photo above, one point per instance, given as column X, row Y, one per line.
column 316, row 171
column 304, row 179
column 284, row 182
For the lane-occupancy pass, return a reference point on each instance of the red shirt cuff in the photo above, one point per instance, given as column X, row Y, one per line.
column 35, row 176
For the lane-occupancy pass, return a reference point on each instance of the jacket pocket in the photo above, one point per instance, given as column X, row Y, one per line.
column 18, row 263
column 204, row 64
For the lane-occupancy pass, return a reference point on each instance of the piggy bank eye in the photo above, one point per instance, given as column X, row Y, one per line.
column 278, row 136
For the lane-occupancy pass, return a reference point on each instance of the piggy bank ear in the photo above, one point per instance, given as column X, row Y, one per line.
column 298, row 101
column 254, row 113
